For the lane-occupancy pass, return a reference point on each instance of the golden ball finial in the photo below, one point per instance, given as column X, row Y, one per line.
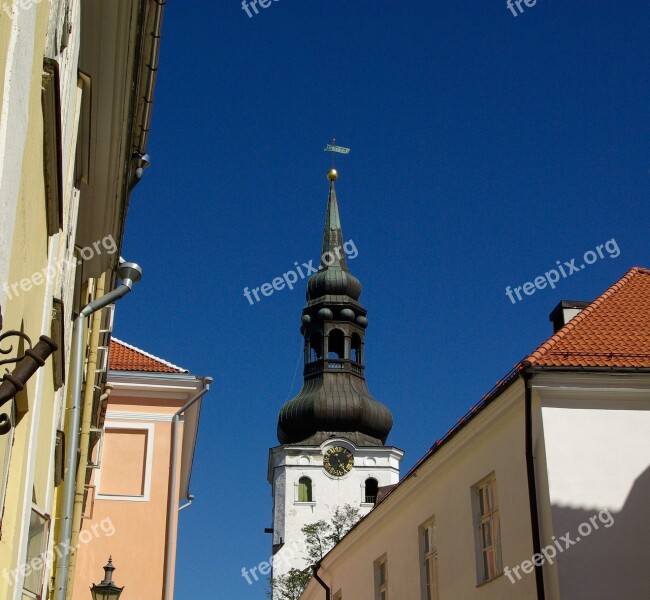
column 332, row 175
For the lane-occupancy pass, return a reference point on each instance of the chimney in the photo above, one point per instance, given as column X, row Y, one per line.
column 564, row 312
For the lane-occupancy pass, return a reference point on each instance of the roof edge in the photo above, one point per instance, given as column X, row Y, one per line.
column 535, row 358
column 148, row 355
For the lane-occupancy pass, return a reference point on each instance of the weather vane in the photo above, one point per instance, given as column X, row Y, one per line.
column 333, row 148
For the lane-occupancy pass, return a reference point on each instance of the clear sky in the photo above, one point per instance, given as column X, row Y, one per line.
column 485, row 147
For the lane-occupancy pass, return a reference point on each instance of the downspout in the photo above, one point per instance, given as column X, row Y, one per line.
column 172, row 504
column 84, row 436
column 190, row 499
column 129, row 273
column 328, row 591
column 532, row 486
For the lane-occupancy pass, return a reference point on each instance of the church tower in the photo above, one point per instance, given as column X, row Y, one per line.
column 333, row 433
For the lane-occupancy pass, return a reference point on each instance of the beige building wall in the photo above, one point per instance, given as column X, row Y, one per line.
column 441, row 489
column 47, row 107
column 26, row 253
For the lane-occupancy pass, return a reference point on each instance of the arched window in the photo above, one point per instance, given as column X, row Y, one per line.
column 316, row 347
column 304, row 490
column 336, row 345
column 371, row 490
column 356, row 347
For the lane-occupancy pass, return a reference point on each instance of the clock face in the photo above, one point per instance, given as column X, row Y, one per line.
column 338, row 461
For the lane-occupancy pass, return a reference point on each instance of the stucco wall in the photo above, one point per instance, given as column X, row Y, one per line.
column 290, row 463
column 492, row 442
column 597, row 447
column 137, row 541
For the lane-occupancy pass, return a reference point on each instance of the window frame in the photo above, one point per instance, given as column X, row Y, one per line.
column 381, row 586
column 42, row 555
column 310, row 490
column 429, row 558
column 364, row 489
column 489, row 560
column 148, row 466
column 10, row 438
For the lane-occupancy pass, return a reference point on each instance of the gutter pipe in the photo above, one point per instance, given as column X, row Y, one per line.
column 532, row 486
column 129, row 273
column 84, row 436
column 172, row 505
column 190, row 499
column 328, row 591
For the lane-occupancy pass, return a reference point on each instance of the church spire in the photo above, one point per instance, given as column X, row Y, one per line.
column 334, row 400
column 333, row 278
column 333, row 232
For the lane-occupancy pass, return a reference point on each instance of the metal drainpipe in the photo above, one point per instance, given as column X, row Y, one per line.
column 84, row 436
column 130, row 273
column 532, row 487
column 190, row 499
column 172, row 505
column 328, row 591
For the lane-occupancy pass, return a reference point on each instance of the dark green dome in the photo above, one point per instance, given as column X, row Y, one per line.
column 326, row 408
column 333, row 281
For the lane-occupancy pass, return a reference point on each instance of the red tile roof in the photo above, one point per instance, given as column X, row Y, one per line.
column 124, row 357
column 613, row 331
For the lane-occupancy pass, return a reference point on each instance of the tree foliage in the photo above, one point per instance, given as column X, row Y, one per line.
column 289, row 586
column 320, row 538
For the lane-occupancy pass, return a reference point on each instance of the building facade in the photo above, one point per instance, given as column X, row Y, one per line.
column 128, row 514
column 77, row 82
column 539, row 491
column 333, row 433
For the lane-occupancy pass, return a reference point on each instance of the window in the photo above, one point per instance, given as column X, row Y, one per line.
column 36, row 547
column 336, row 344
column 304, row 490
column 488, row 529
column 370, row 490
column 381, row 579
column 356, row 347
column 429, row 554
column 127, row 461
column 6, row 443
column 315, row 347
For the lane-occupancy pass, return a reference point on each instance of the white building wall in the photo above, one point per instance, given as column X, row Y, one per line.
column 290, row 463
column 596, row 438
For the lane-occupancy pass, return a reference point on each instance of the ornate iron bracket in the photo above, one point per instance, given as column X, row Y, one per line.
column 18, row 334
column 29, row 363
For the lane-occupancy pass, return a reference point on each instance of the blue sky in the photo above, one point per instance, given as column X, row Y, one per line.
column 485, row 147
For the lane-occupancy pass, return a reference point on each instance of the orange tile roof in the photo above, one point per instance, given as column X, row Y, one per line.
column 124, row 357
column 613, row 331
